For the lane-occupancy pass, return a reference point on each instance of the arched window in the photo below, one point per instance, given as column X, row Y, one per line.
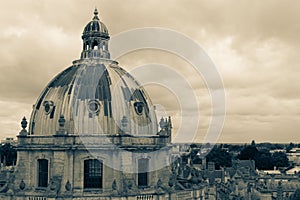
column 95, row 45
column 93, row 171
column 43, row 172
column 143, row 167
column 104, row 46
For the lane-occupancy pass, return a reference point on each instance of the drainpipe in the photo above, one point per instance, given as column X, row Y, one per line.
column 73, row 162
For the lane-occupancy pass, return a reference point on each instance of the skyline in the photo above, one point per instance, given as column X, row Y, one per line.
column 254, row 50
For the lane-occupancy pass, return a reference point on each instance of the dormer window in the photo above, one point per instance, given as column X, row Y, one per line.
column 139, row 107
column 48, row 107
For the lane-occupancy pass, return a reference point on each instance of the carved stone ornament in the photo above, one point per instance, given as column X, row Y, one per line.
column 22, row 185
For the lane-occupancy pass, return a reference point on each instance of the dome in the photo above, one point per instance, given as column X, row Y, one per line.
column 95, row 28
column 94, row 95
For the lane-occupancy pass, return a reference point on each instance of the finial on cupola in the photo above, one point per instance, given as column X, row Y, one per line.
column 95, row 39
column 96, row 14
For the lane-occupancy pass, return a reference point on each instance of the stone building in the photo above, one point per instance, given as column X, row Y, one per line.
column 294, row 156
column 92, row 134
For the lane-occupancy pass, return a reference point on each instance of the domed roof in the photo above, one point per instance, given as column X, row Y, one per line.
column 95, row 28
column 94, row 96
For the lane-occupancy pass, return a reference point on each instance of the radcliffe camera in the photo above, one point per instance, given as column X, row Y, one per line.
column 131, row 100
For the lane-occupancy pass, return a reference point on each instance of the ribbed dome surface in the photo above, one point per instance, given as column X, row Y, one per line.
column 95, row 96
column 95, row 26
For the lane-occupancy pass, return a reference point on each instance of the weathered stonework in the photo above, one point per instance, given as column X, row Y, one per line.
column 93, row 118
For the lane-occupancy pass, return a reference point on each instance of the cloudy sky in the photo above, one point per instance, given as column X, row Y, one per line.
column 255, row 46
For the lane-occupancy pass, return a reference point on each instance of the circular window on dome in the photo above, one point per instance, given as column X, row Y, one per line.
column 94, row 106
column 138, row 107
column 48, row 106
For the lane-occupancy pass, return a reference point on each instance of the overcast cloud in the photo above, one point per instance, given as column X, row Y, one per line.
column 254, row 44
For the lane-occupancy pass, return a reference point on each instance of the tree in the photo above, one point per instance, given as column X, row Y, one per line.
column 235, row 147
column 193, row 154
column 195, row 159
column 248, row 153
column 290, row 146
column 8, row 154
column 193, row 146
column 277, row 146
column 280, row 159
column 264, row 161
column 220, row 157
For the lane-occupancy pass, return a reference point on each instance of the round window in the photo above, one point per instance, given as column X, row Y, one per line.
column 139, row 107
column 94, row 106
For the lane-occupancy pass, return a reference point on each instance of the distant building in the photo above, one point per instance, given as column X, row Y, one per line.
column 294, row 155
column 9, row 140
column 293, row 170
column 278, row 151
column 180, row 148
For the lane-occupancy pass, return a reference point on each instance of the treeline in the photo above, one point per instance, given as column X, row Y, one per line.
column 264, row 160
column 223, row 154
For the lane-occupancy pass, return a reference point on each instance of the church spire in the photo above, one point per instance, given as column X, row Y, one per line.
column 95, row 39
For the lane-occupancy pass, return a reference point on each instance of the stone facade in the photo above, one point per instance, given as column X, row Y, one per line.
column 93, row 134
column 66, row 155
